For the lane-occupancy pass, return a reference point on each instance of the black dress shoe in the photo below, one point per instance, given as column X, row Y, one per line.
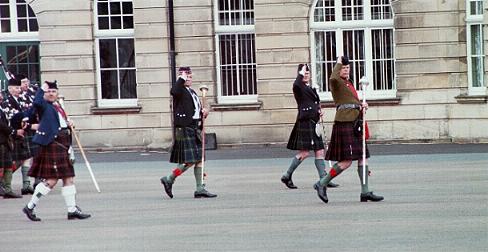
column 26, row 191
column 332, row 184
column 77, row 214
column 371, row 197
column 11, row 195
column 288, row 182
column 168, row 186
column 321, row 192
column 30, row 214
column 204, row 194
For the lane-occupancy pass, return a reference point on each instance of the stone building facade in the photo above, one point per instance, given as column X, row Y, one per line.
column 425, row 60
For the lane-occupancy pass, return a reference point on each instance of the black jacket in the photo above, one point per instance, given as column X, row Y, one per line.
column 5, row 130
column 183, row 104
column 308, row 100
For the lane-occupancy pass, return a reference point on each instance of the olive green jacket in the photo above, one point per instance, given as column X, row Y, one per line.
column 342, row 95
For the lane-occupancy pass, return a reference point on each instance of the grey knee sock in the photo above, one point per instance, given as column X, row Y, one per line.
column 364, row 186
column 295, row 162
column 180, row 169
column 198, row 178
column 25, row 177
column 334, row 171
column 320, row 165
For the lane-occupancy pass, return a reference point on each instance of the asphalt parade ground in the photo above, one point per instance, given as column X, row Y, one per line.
column 436, row 199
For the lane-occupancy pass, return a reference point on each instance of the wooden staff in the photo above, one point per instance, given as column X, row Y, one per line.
column 364, row 83
column 88, row 166
column 204, row 90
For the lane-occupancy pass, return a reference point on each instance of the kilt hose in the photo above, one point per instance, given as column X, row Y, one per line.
column 303, row 137
column 21, row 149
column 187, row 147
column 344, row 145
column 52, row 161
column 5, row 156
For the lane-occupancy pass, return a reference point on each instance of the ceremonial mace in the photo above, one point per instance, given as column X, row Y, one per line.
column 204, row 90
column 88, row 166
column 364, row 83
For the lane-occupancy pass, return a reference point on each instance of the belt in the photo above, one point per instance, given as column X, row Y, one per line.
column 348, row 106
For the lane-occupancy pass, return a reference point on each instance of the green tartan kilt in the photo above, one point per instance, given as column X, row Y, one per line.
column 5, row 156
column 187, row 147
column 303, row 137
column 21, row 149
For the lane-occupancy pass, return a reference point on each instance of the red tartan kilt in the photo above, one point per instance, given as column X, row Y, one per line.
column 344, row 145
column 52, row 161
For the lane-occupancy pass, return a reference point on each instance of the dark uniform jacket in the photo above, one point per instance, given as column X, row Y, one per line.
column 342, row 95
column 5, row 130
column 49, row 120
column 183, row 104
column 308, row 100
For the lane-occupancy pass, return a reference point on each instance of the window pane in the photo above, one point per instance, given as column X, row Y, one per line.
column 33, row 25
column 476, row 40
column 102, row 8
column 5, row 25
column 109, row 84
column 33, row 53
column 22, row 25
column 21, row 10
column 476, row 7
column 477, row 71
column 108, row 54
column 31, row 12
column 236, row 12
column 115, row 8
column 126, row 53
column 4, row 11
column 103, row 23
column 127, row 8
column 115, row 22
column 128, row 84
column 22, row 54
column 128, row 22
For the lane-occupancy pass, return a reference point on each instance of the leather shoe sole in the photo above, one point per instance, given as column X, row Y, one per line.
column 323, row 197
column 30, row 214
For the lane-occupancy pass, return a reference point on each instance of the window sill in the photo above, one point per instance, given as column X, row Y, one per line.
column 371, row 103
column 237, row 106
column 115, row 110
column 471, row 99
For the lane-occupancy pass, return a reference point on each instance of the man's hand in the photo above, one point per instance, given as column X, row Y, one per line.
column 71, row 124
column 184, row 75
column 339, row 59
column 45, row 87
column 364, row 105
column 35, row 126
column 321, row 112
column 204, row 112
column 20, row 132
column 303, row 70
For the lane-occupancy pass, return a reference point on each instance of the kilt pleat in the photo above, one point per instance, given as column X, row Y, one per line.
column 187, row 147
column 52, row 161
column 303, row 137
column 344, row 145
column 5, row 156
column 21, row 149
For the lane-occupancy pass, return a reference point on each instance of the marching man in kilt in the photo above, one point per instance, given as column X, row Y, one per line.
column 187, row 147
column 345, row 145
column 303, row 137
column 52, row 162
column 12, row 106
column 6, row 164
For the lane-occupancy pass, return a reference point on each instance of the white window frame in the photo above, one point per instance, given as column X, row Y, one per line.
column 14, row 35
column 111, row 34
column 367, row 25
column 475, row 20
column 230, row 30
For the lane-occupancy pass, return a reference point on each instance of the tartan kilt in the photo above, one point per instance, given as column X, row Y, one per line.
column 21, row 149
column 344, row 145
column 52, row 161
column 303, row 137
column 5, row 156
column 33, row 147
column 187, row 147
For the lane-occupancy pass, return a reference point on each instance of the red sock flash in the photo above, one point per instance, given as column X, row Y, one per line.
column 177, row 172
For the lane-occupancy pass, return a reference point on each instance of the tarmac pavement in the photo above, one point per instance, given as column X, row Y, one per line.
column 436, row 199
